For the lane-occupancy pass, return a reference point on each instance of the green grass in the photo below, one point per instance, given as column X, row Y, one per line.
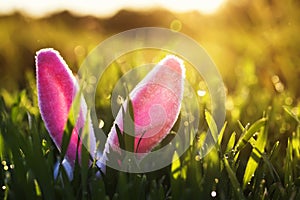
column 253, row 161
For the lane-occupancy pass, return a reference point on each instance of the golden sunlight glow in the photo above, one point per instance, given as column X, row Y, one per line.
column 203, row 6
column 105, row 7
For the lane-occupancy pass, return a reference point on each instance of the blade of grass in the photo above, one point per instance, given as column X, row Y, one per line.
column 120, row 137
column 221, row 134
column 212, row 125
column 234, row 181
column 23, row 187
column 39, row 165
column 272, row 169
column 249, row 133
column 296, row 144
column 288, row 175
column 85, row 155
column 128, row 127
column 231, row 142
column 291, row 113
column 175, row 167
column 71, row 122
column 255, row 156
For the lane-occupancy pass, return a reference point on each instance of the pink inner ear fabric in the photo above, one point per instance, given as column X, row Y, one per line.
column 56, row 88
column 156, row 104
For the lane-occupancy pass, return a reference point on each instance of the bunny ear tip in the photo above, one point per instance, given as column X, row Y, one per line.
column 174, row 63
column 46, row 50
column 46, row 55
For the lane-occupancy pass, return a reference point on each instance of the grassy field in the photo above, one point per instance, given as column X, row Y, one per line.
column 256, row 48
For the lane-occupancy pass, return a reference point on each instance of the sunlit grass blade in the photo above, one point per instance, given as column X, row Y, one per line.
column 256, row 155
column 291, row 113
column 212, row 125
column 221, row 134
column 231, row 142
column 296, row 143
column 243, row 140
column 242, row 127
column 175, row 168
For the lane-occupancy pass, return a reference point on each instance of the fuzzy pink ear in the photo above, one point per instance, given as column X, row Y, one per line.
column 57, row 87
column 156, row 104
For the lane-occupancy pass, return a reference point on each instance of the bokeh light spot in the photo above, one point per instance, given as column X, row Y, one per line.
column 79, row 50
column 213, row 193
column 176, row 25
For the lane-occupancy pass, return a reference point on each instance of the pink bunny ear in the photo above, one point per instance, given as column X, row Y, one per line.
column 57, row 87
column 156, row 102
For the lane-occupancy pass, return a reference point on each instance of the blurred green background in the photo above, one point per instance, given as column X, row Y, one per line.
column 257, row 42
column 255, row 46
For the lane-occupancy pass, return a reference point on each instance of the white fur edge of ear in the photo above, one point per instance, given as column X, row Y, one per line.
column 177, row 59
column 68, row 168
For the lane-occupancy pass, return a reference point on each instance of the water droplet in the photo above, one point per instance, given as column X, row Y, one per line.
column 120, row 100
column 201, row 93
column 213, row 193
column 3, row 187
column 44, row 143
column 101, row 123
column 197, row 157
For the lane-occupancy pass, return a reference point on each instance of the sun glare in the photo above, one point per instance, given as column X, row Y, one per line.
column 203, row 6
column 107, row 8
